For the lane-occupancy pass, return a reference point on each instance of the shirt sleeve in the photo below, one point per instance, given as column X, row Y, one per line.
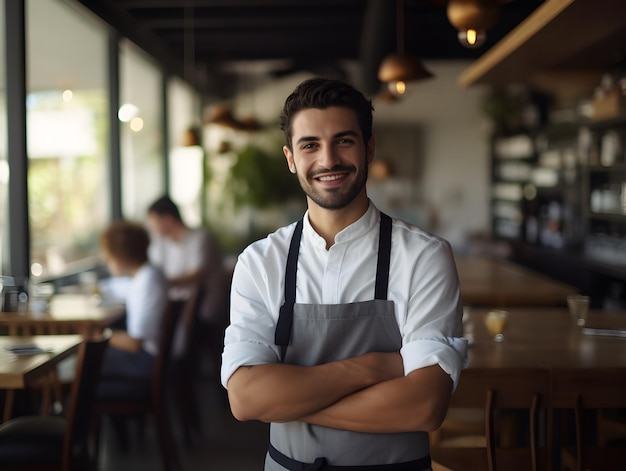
column 433, row 329
column 249, row 339
column 155, row 251
column 145, row 306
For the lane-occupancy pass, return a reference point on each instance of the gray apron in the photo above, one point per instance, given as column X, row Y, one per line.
column 311, row 334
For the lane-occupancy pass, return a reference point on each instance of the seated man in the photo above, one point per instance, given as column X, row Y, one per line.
column 131, row 352
column 191, row 257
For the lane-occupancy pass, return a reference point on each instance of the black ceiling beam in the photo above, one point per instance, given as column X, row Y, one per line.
column 282, row 4
column 117, row 17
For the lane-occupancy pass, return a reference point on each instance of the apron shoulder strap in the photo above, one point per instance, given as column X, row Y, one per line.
column 285, row 317
column 384, row 258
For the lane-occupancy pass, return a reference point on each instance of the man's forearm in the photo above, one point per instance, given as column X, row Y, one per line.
column 188, row 278
column 281, row 392
column 122, row 341
column 417, row 402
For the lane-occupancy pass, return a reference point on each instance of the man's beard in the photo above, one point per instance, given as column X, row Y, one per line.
column 334, row 198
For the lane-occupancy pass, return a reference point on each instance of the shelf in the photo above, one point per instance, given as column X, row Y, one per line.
column 560, row 37
column 612, row 270
column 607, row 169
column 609, row 217
column 618, row 121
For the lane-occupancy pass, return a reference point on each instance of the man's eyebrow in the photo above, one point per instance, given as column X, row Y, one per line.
column 338, row 135
column 307, row 139
column 346, row 133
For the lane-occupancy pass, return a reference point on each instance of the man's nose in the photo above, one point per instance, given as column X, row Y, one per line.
column 328, row 157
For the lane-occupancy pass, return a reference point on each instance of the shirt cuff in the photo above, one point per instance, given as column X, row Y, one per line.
column 240, row 354
column 450, row 353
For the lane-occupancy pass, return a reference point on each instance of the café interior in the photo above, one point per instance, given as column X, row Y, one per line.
column 500, row 126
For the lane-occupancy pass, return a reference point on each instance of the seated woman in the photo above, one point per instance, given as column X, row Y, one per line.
column 131, row 352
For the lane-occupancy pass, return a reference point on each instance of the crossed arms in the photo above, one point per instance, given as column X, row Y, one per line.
column 367, row 393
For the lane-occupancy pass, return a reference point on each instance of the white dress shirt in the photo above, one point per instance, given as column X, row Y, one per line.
column 423, row 284
column 145, row 305
column 179, row 257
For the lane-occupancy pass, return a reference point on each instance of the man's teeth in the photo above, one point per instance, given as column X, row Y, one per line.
column 330, row 178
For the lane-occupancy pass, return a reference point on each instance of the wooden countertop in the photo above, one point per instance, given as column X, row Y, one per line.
column 497, row 282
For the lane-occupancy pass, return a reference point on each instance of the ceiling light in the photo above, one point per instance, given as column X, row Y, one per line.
column 127, row 112
column 399, row 70
column 191, row 137
column 136, row 124
column 223, row 116
column 473, row 18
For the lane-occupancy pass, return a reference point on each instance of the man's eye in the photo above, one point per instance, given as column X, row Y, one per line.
column 307, row 146
column 345, row 141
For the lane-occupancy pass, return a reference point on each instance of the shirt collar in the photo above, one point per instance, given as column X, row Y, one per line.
column 360, row 227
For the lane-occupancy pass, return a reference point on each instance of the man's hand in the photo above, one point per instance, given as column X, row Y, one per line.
column 281, row 392
column 189, row 278
column 378, row 366
column 122, row 341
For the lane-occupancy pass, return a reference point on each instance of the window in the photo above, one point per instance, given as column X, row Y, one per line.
column 4, row 165
column 141, row 116
column 186, row 161
column 67, row 132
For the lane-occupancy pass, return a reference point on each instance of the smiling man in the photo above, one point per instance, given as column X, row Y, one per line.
column 345, row 328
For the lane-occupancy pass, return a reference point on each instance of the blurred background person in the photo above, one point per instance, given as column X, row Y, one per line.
column 131, row 352
column 191, row 257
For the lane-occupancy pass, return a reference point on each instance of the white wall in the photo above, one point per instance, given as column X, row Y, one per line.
column 454, row 175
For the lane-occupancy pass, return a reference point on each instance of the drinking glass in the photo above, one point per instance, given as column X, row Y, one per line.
column 495, row 320
column 39, row 297
column 578, row 308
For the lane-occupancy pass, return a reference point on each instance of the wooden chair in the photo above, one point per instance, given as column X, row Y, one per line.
column 51, row 387
column 185, row 368
column 149, row 397
column 512, row 402
column 58, row 443
column 583, row 395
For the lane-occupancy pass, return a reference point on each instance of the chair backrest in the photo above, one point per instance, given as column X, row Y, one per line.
column 189, row 319
column 82, row 399
column 496, row 391
column 584, row 390
column 162, row 360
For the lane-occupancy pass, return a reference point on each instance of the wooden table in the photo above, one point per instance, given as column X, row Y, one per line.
column 497, row 282
column 547, row 338
column 66, row 314
column 17, row 371
column 546, row 354
column 22, row 371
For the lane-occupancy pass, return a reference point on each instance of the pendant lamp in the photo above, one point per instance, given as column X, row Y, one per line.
column 398, row 70
column 473, row 18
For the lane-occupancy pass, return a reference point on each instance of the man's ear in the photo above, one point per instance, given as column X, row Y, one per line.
column 289, row 157
column 371, row 148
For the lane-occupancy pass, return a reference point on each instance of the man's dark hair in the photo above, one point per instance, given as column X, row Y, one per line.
column 165, row 206
column 323, row 93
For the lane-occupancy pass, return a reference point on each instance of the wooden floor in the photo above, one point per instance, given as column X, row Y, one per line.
column 226, row 445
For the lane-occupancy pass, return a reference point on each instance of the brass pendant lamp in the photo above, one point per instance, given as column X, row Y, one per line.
column 192, row 135
column 473, row 18
column 398, row 69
